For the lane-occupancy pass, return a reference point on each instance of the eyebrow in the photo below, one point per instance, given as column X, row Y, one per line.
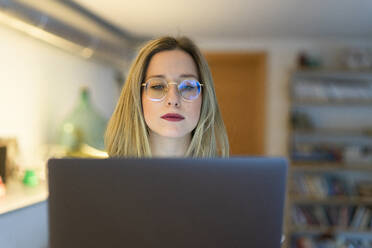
column 181, row 76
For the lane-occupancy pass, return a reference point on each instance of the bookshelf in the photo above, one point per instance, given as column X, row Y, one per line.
column 330, row 149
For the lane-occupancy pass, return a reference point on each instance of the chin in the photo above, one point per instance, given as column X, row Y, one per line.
column 169, row 133
column 173, row 134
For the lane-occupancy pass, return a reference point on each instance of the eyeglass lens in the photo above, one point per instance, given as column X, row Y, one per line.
column 156, row 88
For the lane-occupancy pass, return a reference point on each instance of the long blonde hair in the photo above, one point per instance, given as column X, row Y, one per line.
column 127, row 134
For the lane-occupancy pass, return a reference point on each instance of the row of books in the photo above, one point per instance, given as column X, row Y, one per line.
column 326, row 91
column 344, row 217
column 334, row 242
column 340, row 149
column 318, row 152
column 321, row 186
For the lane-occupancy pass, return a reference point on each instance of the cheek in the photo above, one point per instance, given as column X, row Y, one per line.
column 150, row 111
column 146, row 108
column 195, row 109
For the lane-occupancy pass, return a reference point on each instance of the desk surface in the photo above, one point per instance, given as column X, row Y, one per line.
column 18, row 195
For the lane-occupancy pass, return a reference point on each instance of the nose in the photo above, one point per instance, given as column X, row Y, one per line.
column 173, row 97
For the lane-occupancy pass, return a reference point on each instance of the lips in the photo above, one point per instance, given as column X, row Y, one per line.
column 173, row 117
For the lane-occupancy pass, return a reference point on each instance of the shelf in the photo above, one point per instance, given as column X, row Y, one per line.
column 333, row 73
column 331, row 166
column 333, row 132
column 315, row 102
column 332, row 200
column 330, row 114
column 18, row 195
column 328, row 229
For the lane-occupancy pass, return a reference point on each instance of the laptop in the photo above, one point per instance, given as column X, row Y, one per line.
column 167, row 203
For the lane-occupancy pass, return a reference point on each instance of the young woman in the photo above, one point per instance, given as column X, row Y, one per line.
column 168, row 106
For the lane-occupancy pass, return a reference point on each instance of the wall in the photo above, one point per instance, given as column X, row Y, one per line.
column 282, row 55
column 39, row 85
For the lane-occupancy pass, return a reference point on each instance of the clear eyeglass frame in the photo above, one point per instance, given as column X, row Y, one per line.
column 145, row 85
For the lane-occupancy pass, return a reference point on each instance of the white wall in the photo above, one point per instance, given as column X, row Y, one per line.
column 281, row 60
column 39, row 85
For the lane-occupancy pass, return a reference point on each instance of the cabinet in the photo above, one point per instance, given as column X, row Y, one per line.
column 330, row 148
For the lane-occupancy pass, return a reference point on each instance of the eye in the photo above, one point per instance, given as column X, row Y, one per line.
column 157, row 86
column 188, row 85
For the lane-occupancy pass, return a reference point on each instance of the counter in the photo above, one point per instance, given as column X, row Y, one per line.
column 19, row 196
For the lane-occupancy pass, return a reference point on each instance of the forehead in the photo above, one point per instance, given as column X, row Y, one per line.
column 171, row 64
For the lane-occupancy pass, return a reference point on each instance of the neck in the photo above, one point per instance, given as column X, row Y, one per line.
column 168, row 147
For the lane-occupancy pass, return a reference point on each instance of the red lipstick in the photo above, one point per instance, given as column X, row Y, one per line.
column 172, row 117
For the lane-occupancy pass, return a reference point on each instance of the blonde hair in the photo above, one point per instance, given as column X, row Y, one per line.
column 127, row 135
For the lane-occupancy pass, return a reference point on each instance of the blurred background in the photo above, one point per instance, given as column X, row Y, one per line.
column 293, row 78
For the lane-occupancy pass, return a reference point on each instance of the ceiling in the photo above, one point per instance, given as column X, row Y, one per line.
column 239, row 19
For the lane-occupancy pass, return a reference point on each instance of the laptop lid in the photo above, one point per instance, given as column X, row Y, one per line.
column 167, row 203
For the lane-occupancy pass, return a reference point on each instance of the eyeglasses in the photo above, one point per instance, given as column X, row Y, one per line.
column 157, row 88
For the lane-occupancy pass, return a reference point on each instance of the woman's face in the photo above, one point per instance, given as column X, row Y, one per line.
column 173, row 66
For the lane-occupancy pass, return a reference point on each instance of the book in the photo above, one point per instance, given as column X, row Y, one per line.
column 344, row 216
column 321, row 216
column 364, row 220
column 357, row 218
